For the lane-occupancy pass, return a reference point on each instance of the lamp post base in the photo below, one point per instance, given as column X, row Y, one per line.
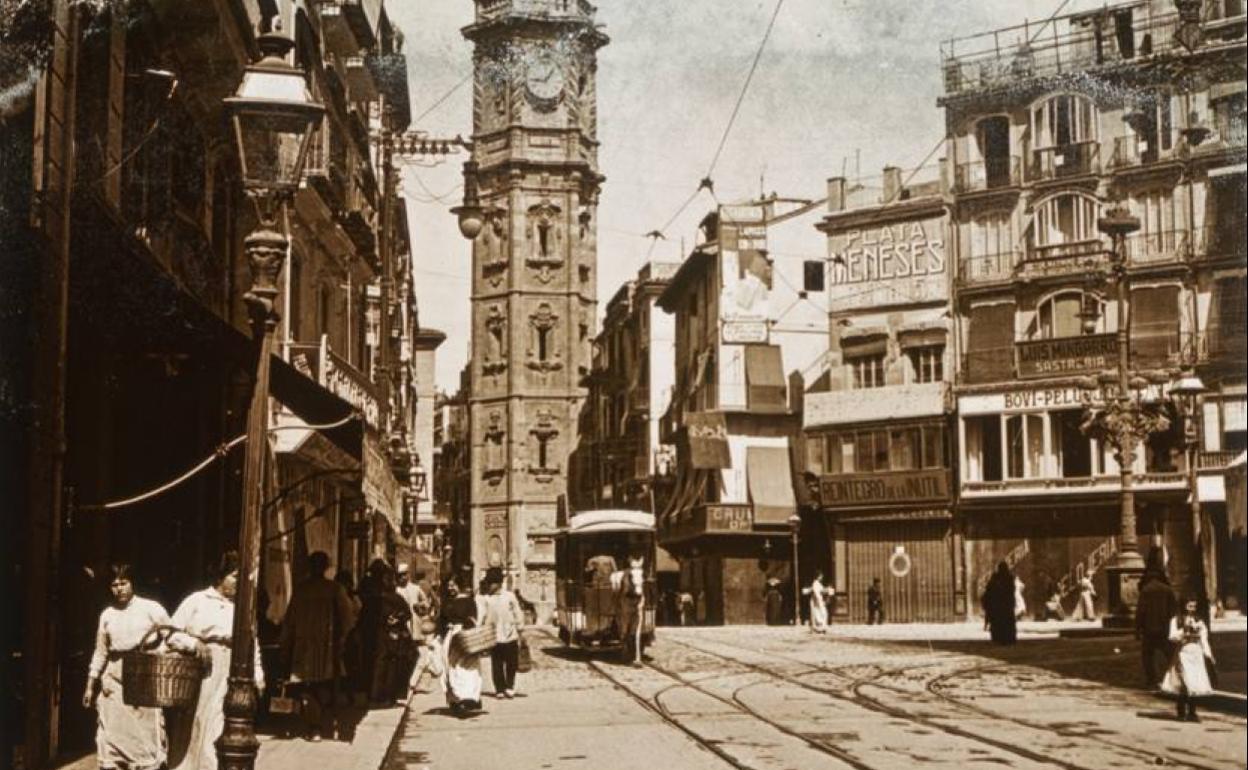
column 1124, row 592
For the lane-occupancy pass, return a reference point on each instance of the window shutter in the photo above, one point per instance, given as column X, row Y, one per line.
column 990, row 344
column 116, row 109
column 1154, row 318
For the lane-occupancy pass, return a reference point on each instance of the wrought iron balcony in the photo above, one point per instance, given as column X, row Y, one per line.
column 988, row 268
column 1064, row 160
column 989, row 174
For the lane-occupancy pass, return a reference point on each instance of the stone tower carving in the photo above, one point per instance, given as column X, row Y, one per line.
column 533, row 292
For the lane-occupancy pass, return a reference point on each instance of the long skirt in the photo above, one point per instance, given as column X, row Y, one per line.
column 1187, row 674
column 192, row 734
column 126, row 737
column 462, row 678
column 818, row 615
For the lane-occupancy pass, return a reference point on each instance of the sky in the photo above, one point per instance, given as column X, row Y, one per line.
column 843, row 86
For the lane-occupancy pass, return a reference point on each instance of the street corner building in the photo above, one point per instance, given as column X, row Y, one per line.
column 1134, row 111
column 126, row 273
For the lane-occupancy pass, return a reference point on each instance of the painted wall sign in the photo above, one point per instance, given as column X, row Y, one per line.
column 723, row 518
column 857, row 489
column 1068, row 355
column 888, row 264
column 745, row 332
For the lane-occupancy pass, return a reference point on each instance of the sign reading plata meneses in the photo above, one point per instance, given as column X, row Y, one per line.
column 856, row 489
column 1066, row 355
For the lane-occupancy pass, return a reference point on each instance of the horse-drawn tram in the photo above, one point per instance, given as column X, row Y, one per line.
column 606, row 591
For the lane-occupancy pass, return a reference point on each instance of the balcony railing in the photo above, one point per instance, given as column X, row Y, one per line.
column 1064, row 258
column 1132, row 151
column 1144, row 482
column 1215, row 460
column 989, row 174
column 1158, row 247
column 1059, row 45
column 988, row 268
column 1064, row 160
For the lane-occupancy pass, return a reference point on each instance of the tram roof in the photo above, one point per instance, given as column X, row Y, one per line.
column 610, row 520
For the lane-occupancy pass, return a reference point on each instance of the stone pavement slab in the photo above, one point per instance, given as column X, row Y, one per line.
column 364, row 751
column 566, row 718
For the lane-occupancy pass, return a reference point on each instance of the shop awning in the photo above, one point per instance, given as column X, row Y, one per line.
column 771, row 484
column 764, row 378
column 664, row 561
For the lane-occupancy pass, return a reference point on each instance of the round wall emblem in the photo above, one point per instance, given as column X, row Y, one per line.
column 899, row 562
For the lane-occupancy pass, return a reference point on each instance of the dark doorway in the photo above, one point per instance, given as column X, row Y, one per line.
column 994, row 146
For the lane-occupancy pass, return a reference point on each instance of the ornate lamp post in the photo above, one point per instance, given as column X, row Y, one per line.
column 795, row 526
column 1186, row 392
column 1122, row 424
column 272, row 115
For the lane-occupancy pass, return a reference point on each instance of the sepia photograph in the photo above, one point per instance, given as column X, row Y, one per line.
column 623, row 384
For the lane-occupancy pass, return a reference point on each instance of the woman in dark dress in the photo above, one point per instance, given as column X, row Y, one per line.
column 998, row 604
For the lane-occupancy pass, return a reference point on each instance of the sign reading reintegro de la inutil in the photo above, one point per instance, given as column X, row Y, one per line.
column 1068, row 355
column 855, row 489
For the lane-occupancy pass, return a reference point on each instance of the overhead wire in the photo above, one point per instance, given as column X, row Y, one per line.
column 442, row 99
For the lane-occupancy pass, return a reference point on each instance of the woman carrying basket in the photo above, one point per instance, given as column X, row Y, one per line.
column 127, row 737
column 206, row 619
column 462, row 677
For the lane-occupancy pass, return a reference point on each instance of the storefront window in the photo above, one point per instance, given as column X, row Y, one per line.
column 934, row 446
column 868, row 370
column 905, row 449
column 882, row 450
column 1014, row 446
column 983, row 448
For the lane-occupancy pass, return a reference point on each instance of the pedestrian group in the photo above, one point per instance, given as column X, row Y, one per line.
column 340, row 645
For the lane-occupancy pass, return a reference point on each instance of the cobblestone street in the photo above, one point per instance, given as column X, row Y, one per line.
column 775, row 698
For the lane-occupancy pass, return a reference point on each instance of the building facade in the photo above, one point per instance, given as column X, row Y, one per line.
column 534, row 273
column 733, row 415
column 877, row 422
column 1136, row 104
column 124, row 218
column 620, row 461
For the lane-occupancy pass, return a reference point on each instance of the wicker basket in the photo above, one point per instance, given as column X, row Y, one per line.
column 475, row 641
column 160, row 679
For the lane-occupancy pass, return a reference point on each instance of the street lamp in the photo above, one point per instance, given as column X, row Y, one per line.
column 471, row 214
column 272, row 115
column 1186, row 392
column 795, row 526
column 1121, row 424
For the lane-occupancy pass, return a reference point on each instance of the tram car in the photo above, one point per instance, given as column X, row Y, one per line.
column 604, row 562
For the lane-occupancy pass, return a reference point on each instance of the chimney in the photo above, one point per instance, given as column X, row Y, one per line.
column 836, row 194
column 892, row 184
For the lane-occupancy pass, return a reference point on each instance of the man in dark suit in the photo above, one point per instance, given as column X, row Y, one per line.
column 1156, row 607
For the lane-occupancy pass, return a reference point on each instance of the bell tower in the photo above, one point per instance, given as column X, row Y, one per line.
column 535, row 169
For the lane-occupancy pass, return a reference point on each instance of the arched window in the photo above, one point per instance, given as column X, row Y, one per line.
column 1062, row 315
column 1064, row 220
column 1062, row 120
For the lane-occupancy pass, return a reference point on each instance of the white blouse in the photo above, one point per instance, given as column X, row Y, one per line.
column 209, row 616
column 122, row 629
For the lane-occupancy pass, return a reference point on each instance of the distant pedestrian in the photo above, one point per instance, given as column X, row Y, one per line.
column 126, row 737
column 773, row 603
column 1188, row 676
column 875, row 603
column 462, row 678
column 685, row 600
column 1020, row 601
column 352, row 682
column 313, row 633
column 503, row 610
column 395, row 650
column 1053, row 606
column 1086, row 608
column 414, row 595
column 818, row 604
column 1154, row 610
column 998, row 605
column 206, row 619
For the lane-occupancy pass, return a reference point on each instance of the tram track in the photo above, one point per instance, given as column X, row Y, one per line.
column 854, row 685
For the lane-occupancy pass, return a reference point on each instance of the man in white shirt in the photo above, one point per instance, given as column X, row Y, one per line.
column 502, row 608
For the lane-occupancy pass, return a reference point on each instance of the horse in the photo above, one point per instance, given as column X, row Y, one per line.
column 630, row 598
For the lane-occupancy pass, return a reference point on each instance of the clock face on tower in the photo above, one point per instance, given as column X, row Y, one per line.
column 543, row 80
